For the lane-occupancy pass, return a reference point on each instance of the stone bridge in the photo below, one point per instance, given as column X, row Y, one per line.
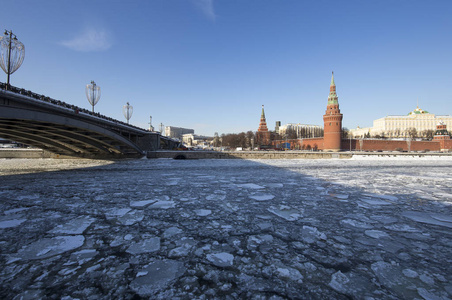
column 64, row 129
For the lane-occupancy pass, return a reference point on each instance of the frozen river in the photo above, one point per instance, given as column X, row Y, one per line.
column 229, row 229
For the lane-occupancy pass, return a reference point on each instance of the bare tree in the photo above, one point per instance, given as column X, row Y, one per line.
column 411, row 132
column 216, row 140
column 428, row 134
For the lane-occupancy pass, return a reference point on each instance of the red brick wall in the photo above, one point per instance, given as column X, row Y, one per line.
column 390, row 145
column 371, row 144
column 313, row 143
column 446, row 144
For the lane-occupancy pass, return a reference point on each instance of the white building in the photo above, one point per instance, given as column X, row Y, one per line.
column 177, row 132
column 191, row 139
column 302, row 130
column 399, row 126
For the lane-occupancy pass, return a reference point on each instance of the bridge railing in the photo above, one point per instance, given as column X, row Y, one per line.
column 39, row 97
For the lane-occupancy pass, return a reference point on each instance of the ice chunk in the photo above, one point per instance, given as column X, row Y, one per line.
column 340, row 196
column 83, row 256
column 388, row 274
column 203, row 212
column 74, row 226
column 339, row 281
column 356, row 223
column 216, row 197
column 286, row 212
column 441, row 217
column 250, row 186
column 156, row 276
column 145, row 246
column 163, row 204
column 48, row 247
column 275, row 185
column 181, row 251
column 11, row 223
column 222, row 259
column 374, row 201
column 116, row 212
column 312, row 234
column 426, row 218
column 428, row 295
column 288, row 273
column 410, row 273
column 376, row 234
column 381, row 196
column 172, row 231
column 142, row 203
column 131, row 217
column 255, row 240
column 427, row 279
column 384, row 219
column 262, row 197
column 401, row 227
column 15, row 210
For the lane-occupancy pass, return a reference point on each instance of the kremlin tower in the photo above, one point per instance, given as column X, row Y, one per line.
column 332, row 122
column 263, row 135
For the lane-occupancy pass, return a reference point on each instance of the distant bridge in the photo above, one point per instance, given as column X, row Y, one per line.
column 65, row 129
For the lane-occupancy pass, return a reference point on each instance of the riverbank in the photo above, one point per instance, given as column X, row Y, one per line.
column 38, row 153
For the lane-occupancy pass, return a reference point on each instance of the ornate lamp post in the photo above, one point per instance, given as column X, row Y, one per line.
column 127, row 110
column 151, row 128
column 92, row 93
column 12, row 54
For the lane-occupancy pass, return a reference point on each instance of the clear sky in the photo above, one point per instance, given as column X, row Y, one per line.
column 210, row 64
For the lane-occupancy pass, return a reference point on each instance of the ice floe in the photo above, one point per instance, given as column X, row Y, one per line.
column 48, row 247
column 74, row 226
column 286, row 212
column 147, row 245
column 156, row 276
column 222, row 259
column 11, row 223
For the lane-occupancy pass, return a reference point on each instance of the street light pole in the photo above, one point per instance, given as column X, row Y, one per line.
column 9, row 56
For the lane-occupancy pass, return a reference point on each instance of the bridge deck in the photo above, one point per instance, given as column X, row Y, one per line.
column 65, row 129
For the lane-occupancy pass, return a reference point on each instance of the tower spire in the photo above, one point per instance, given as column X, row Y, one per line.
column 263, row 135
column 332, row 121
column 332, row 97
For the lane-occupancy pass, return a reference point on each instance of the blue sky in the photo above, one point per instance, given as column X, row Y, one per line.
column 210, row 64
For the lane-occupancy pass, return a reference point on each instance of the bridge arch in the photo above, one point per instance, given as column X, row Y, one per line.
column 68, row 130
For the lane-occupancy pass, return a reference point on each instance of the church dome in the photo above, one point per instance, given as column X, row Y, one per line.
column 418, row 111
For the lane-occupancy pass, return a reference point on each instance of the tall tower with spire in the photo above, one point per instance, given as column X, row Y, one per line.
column 332, row 120
column 263, row 135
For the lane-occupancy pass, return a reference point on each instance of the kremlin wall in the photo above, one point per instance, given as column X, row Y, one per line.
column 333, row 141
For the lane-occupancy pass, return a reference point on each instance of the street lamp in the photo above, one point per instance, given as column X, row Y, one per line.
column 92, row 93
column 12, row 54
column 127, row 111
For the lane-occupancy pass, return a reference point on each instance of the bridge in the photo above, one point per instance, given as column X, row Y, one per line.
column 64, row 129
